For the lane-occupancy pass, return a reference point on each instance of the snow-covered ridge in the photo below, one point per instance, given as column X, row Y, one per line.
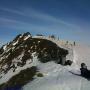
column 24, row 52
column 55, row 76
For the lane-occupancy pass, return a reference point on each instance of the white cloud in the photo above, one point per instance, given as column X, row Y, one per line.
column 23, row 26
column 31, row 13
column 28, row 12
column 56, row 23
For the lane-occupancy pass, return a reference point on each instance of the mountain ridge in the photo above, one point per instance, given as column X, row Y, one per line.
column 21, row 52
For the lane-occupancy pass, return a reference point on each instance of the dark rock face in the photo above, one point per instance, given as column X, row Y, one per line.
column 1, row 50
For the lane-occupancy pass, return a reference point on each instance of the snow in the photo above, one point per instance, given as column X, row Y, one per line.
column 10, row 73
column 5, row 47
column 18, row 59
column 20, row 36
column 38, row 36
column 15, row 43
column 57, row 77
column 5, row 66
column 83, row 54
column 38, row 41
column 27, row 37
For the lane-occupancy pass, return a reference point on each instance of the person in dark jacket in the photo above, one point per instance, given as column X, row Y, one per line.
column 84, row 71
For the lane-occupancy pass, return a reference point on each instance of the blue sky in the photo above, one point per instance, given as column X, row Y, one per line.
column 68, row 19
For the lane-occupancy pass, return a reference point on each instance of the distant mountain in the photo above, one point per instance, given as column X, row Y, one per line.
column 19, row 57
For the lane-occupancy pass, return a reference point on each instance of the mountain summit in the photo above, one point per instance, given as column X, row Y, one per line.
column 21, row 54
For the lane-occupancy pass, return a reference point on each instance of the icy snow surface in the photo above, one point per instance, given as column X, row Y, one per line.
column 27, row 37
column 57, row 77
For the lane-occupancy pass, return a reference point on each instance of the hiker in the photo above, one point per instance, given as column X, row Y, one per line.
column 84, row 71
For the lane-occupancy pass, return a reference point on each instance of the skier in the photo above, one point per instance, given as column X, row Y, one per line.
column 84, row 71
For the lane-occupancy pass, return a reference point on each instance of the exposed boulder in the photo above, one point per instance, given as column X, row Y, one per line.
column 68, row 62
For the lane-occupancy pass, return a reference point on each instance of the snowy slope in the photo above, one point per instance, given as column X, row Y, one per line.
column 6, row 77
column 57, row 77
column 24, row 52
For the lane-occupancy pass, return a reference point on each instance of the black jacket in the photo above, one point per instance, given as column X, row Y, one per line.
column 85, row 72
